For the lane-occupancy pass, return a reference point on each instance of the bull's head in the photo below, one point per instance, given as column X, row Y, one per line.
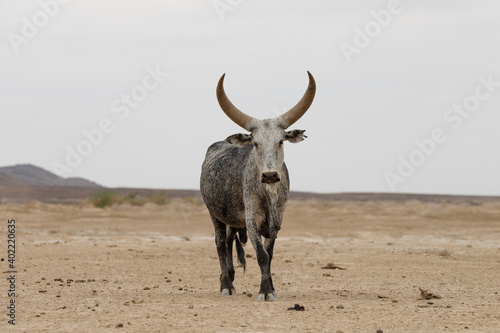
column 267, row 135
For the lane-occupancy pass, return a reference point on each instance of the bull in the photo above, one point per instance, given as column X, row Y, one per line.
column 245, row 184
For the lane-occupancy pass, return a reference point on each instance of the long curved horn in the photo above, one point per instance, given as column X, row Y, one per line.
column 298, row 110
column 229, row 109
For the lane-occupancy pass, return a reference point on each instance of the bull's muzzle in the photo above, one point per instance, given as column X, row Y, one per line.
column 270, row 177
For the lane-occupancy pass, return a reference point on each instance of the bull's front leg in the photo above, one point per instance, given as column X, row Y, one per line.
column 269, row 247
column 266, row 292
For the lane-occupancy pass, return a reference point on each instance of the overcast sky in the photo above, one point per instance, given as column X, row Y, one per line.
column 408, row 92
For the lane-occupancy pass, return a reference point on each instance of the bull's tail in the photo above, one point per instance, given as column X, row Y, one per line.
column 240, row 252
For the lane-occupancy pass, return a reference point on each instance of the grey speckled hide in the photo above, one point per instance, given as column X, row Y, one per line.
column 245, row 184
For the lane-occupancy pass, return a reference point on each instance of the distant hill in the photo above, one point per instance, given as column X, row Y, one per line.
column 29, row 175
column 26, row 182
column 8, row 181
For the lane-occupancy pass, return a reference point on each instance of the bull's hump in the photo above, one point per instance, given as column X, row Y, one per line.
column 227, row 149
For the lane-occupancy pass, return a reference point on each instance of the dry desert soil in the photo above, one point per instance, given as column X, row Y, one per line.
column 155, row 269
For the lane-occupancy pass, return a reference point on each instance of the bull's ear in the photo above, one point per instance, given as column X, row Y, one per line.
column 295, row 136
column 239, row 139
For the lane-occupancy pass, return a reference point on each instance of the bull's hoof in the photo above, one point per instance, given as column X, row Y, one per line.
column 227, row 292
column 267, row 297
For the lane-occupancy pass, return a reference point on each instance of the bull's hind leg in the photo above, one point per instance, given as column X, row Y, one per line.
column 231, row 232
column 226, row 284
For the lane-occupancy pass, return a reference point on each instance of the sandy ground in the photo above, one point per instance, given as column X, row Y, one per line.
column 155, row 269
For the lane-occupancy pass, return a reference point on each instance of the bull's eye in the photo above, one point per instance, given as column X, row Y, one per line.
column 281, row 142
column 255, row 144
